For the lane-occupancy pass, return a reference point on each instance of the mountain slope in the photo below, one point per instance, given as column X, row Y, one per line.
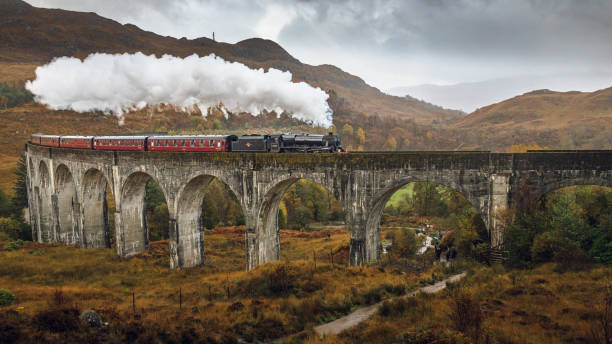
column 36, row 35
column 554, row 119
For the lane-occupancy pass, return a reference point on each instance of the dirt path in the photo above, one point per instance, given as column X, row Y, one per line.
column 365, row 313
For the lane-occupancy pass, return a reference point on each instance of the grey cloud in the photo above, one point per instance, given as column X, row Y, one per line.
column 395, row 42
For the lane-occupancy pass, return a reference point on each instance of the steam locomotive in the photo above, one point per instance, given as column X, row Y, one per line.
column 266, row 143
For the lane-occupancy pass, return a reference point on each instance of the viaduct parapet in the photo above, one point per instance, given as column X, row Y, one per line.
column 67, row 191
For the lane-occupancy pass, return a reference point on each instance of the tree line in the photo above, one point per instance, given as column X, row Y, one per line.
column 11, row 96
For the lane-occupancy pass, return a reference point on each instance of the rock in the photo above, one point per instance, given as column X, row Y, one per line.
column 91, row 318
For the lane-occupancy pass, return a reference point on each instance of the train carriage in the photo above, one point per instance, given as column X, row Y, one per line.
column 35, row 139
column 191, row 143
column 83, row 142
column 49, row 140
column 122, row 143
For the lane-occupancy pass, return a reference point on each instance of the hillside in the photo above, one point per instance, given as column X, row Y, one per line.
column 555, row 119
column 31, row 36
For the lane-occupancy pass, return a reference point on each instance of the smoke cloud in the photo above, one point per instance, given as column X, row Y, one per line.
column 123, row 82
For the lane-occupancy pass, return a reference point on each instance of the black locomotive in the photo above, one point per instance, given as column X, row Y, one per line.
column 279, row 143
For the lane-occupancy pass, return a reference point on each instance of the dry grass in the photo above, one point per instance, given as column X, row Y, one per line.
column 7, row 176
column 274, row 300
column 494, row 306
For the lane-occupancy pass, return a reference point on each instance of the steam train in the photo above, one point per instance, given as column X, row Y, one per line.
column 267, row 143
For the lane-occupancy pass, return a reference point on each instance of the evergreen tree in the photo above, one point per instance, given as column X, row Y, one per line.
column 20, row 196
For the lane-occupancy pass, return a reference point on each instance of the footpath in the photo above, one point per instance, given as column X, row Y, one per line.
column 364, row 313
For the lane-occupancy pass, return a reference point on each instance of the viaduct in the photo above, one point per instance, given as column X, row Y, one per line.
column 67, row 191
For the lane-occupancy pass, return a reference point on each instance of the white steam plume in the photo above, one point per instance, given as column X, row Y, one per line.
column 123, row 82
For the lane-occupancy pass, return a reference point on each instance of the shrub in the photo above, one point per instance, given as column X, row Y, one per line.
column 58, row 320
column 11, row 96
column 12, row 246
column 466, row 314
column 6, row 297
column 397, row 307
column 9, row 229
column 545, row 246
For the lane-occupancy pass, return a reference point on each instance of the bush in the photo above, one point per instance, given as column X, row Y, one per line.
column 15, row 245
column 405, row 244
column 58, row 320
column 11, row 97
column 548, row 244
column 9, row 229
column 466, row 314
column 6, row 297
column 397, row 307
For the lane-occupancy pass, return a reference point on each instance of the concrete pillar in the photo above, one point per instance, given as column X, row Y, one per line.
column 55, row 219
column 498, row 207
column 76, row 223
column 119, row 237
column 250, row 243
column 177, row 259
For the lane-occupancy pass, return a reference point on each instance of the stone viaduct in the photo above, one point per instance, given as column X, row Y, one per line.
column 67, row 191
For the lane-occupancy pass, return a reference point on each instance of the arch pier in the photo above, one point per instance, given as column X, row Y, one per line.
column 67, row 190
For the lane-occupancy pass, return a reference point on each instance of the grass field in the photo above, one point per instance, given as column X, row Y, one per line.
column 401, row 194
column 492, row 305
column 274, row 300
column 143, row 300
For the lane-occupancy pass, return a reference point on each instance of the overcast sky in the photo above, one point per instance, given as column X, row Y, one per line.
column 399, row 43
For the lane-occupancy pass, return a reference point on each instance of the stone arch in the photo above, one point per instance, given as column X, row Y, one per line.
column 372, row 236
column 190, row 247
column 67, row 206
column 267, row 230
column 96, row 233
column 268, row 239
column 560, row 184
column 133, row 235
column 45, row 204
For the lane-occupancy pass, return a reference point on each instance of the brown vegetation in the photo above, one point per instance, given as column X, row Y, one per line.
column 495, row 306
column 142, row 298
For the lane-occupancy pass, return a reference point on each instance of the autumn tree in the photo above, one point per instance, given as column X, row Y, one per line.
column 390, row 144
column 347, row 130
column 361, row 136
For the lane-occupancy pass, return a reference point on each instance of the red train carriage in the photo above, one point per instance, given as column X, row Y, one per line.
column 125, row 143
column 191, row 143
column 49, row 140
column 76, row 142
column 35, row 139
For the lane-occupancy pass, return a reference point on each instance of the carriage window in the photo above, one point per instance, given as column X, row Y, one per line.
column 183, row 142
column 192, row 143
column 166, row 143
column 211, row 143
column 201, row 143
column 174, row 143
column 218, row 143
